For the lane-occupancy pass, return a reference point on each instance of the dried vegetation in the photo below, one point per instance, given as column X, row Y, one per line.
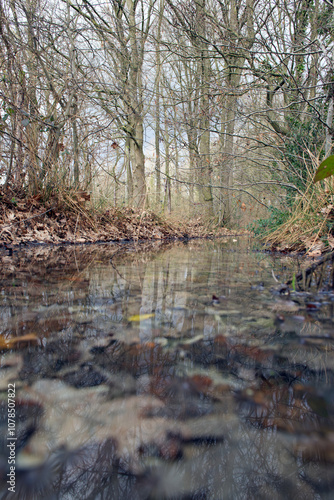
column 68, row 218
column 310, row 225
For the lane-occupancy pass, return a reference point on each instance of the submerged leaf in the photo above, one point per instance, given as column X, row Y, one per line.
column 141, row 317
column 3, row 343
column 9, row 343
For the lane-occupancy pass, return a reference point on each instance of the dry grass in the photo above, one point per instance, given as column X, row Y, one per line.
column 309, row 218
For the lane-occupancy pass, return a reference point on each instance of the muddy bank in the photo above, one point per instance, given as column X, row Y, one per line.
column 28, row 220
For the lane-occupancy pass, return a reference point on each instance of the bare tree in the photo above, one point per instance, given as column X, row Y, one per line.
column 123, row 28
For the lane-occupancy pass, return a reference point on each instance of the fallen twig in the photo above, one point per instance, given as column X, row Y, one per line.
column 306, row 272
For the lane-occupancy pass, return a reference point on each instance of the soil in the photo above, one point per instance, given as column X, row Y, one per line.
column 25, row 220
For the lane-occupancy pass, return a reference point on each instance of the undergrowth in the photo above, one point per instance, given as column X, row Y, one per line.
column 310, row 220
column 265, row 226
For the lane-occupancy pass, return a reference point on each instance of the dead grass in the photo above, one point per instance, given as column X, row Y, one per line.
column 307, row 226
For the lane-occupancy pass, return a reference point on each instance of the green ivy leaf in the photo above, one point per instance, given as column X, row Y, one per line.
column 326, row 169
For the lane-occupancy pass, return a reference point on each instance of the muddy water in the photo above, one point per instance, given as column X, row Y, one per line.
column 164, row 372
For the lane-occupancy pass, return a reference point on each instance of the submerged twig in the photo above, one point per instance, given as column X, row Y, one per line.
column 307, row 272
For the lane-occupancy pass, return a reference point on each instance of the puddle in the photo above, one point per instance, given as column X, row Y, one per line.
column 171, row 371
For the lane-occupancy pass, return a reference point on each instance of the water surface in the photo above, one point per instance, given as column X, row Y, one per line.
column 165, row 372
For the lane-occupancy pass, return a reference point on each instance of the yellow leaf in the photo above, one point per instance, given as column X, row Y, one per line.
column 141, row 317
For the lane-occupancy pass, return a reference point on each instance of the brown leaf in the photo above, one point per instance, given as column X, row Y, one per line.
column 330, row 239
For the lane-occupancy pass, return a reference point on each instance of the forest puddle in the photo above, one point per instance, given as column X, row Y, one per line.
column 165, row 372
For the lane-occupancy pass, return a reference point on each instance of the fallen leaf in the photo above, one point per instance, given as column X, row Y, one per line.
column 327, row 210
column 316, row 248
column 314, row 253
column 330, row 239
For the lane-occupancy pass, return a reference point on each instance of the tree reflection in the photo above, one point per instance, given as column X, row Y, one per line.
column 172, row 373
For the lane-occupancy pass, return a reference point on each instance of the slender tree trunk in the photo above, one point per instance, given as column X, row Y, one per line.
column 176, row 163
column 157, row 110
column 205, row 169
column 32, row 128
column 74, row 111
column 329, row 123
column 157, row 148
column 193, row 156
column 51, row 153
column 129, row 182
column 138, row 165
column 76, row 170
column 227, row 138
column 135, row 95
column 167, row 198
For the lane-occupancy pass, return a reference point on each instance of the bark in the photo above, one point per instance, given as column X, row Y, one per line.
column 32, row 128
column 129, row 182
column 74, row 114
column 138, row 165
column 76, row 171
column 157, row 109
column 234, row 62
column 167, row 197
column 205, row 168
column 193, row 157
column 157, row 147
column 134, row 96
column 329, row 123
column 176, row 163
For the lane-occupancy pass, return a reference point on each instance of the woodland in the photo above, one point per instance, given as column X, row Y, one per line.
column 163, row 369
column 193, row 115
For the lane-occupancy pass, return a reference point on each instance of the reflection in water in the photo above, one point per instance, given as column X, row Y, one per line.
column 173, row 372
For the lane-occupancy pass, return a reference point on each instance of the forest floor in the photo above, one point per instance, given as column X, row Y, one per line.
column 29, row 220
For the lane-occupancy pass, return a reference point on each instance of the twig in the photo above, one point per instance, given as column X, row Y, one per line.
column 272, row 272
column 76, row 224
column 309, row 270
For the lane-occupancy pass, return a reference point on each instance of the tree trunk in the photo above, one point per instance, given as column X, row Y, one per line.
column 193, row 155
column 157, row 149
column 205, row 169
column 129, row 181
column 167, row 198
column 157, row 110
column 329, row 123
column 138, row 166
column 227, row 148
column 75, row 142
